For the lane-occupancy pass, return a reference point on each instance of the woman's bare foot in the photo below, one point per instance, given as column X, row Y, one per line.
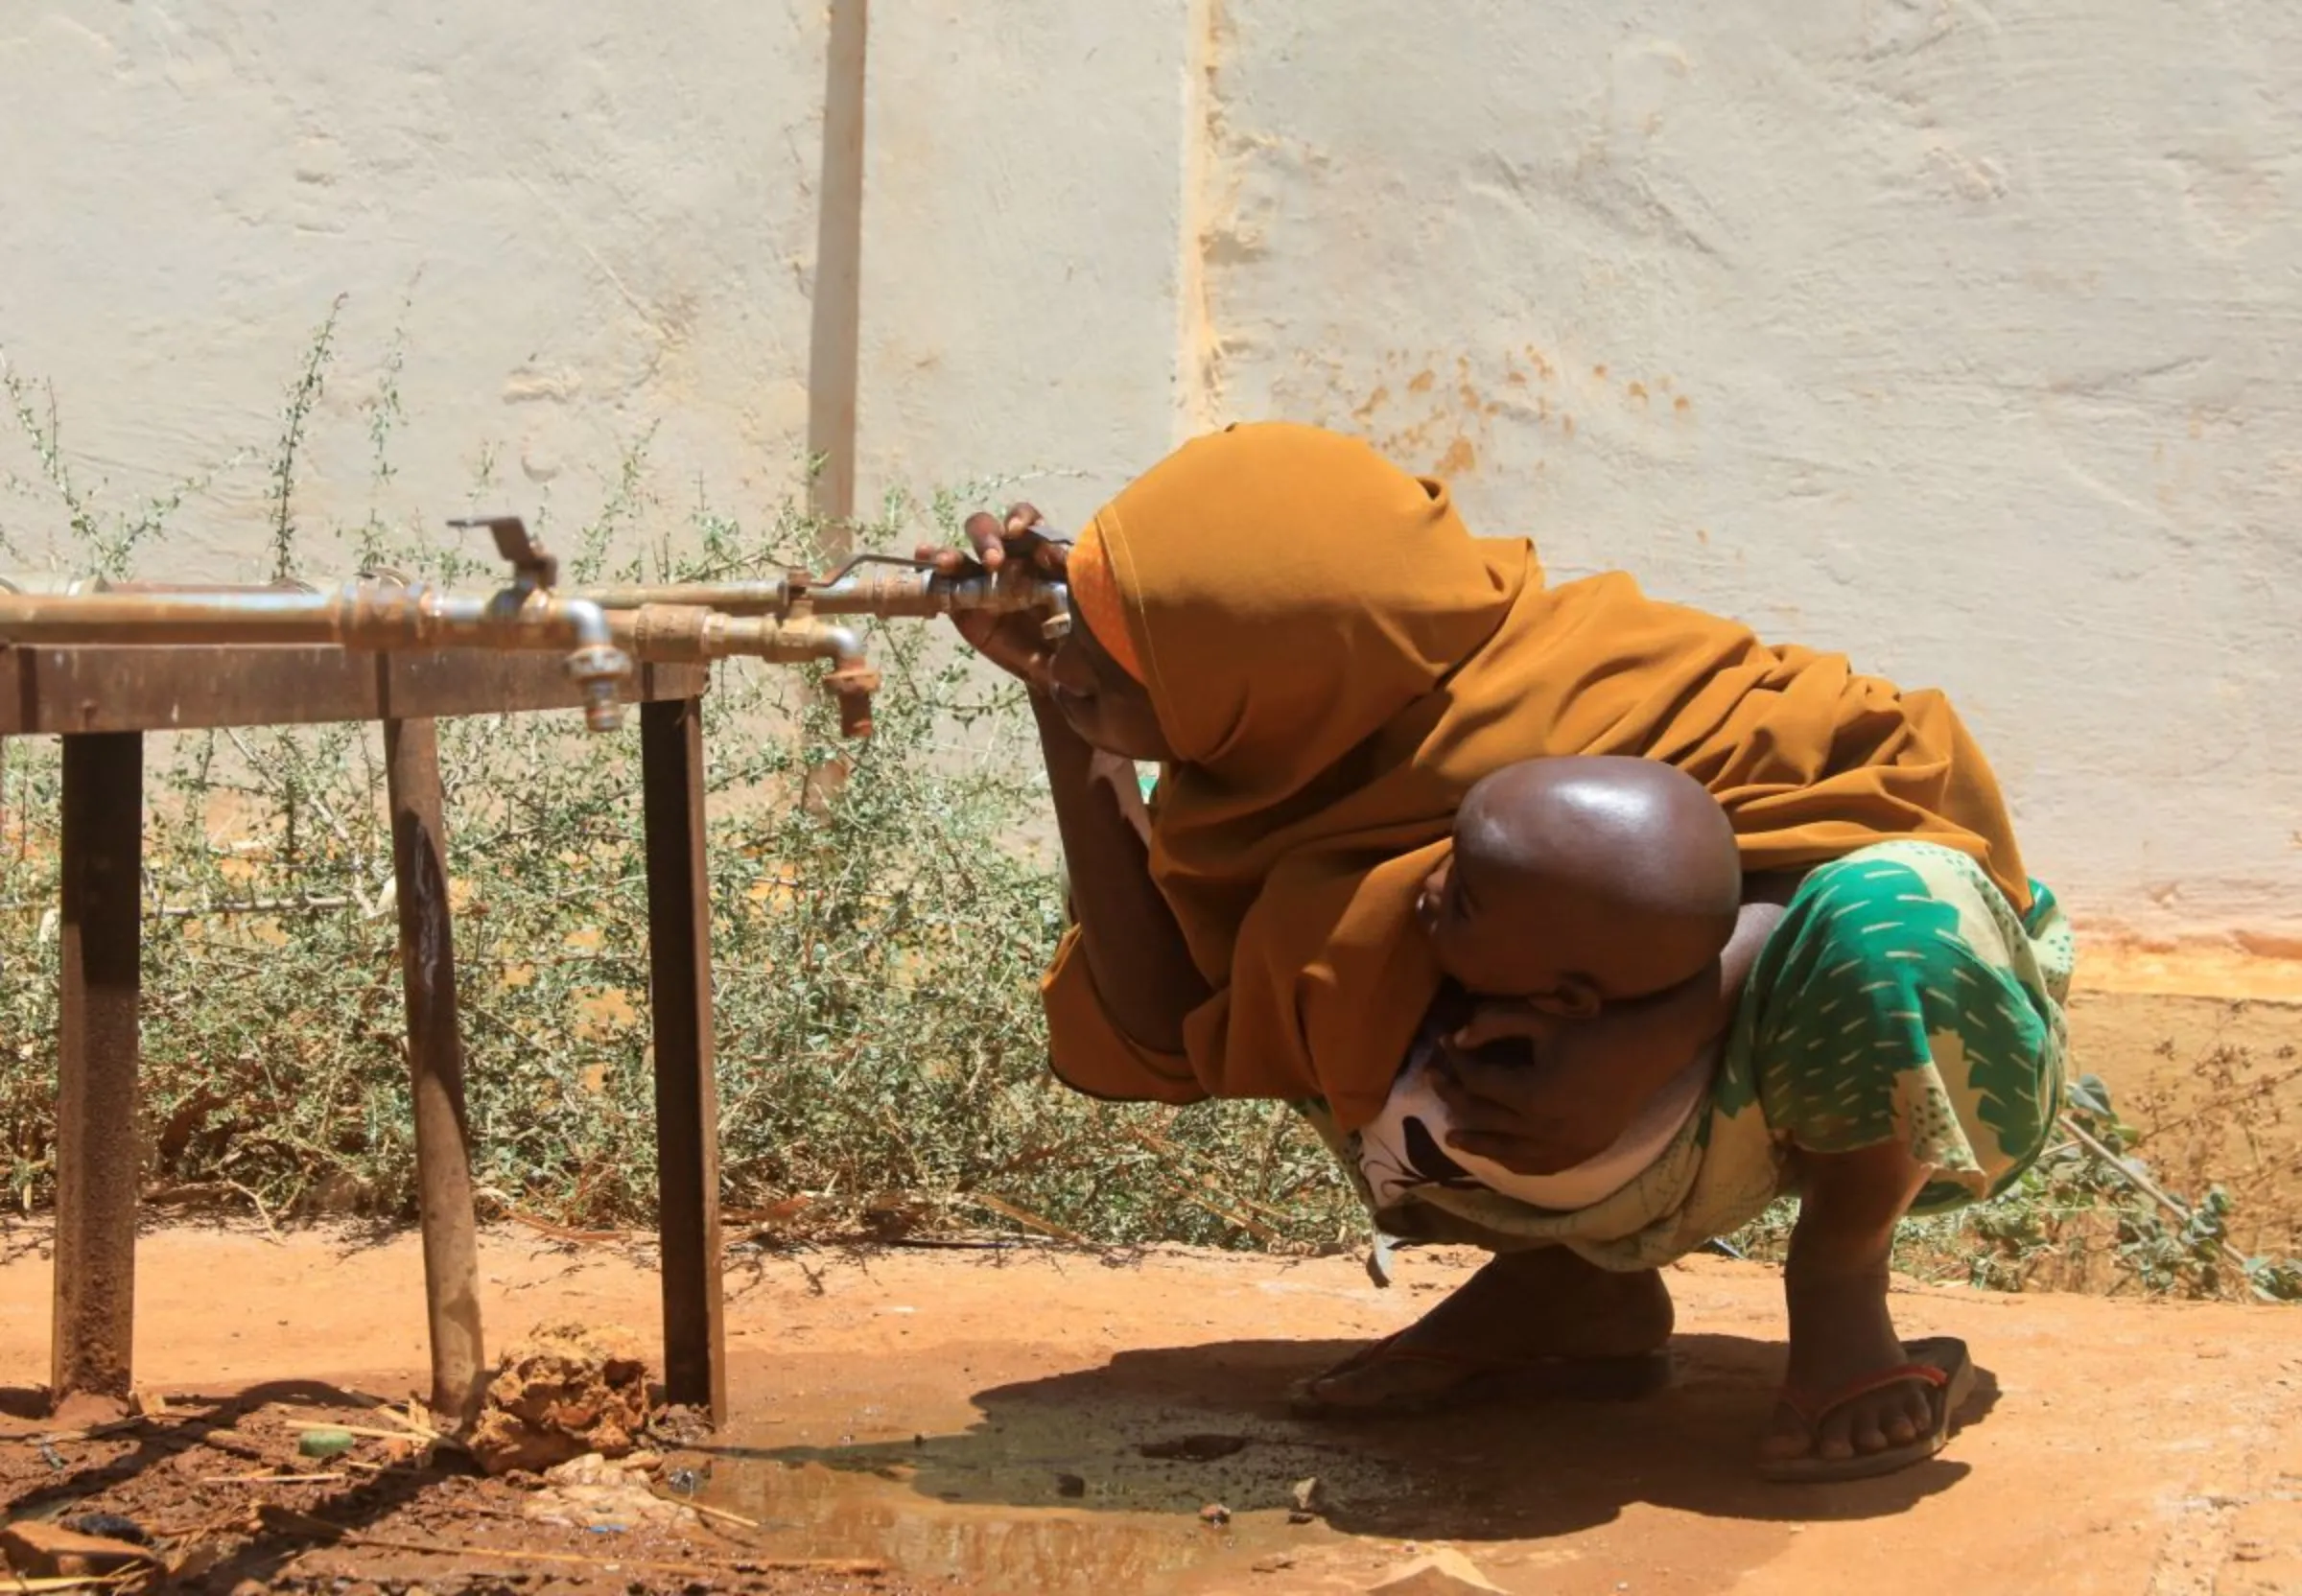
column 1840, row 1333
column 1588, row 1331
column 1835, row 1286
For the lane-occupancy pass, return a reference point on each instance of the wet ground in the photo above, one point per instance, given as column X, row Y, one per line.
column 1033, row 1421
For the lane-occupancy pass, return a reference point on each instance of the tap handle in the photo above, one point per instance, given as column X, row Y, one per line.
column 519, row 547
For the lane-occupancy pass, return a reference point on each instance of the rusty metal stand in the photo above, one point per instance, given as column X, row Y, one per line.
column 99, row 700
column 97, row 1157
column 686, row 1097
column 443, row 1166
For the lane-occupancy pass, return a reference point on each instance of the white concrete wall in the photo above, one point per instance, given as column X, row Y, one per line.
column 1020, row 226
column 596, row 216
column 1963, row 339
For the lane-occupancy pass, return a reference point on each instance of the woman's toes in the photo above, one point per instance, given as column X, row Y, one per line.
column 1786, row 1439
column 1869, row 1425
column 1835, row 1437
column 1914, row 1419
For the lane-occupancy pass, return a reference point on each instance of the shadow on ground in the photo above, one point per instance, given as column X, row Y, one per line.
column 147, row 1450
column 1078, row 1442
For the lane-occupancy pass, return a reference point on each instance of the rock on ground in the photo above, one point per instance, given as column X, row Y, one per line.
column 37, row 1550
column 591, row 1492
column 567, row 1390
column 1445, row 1572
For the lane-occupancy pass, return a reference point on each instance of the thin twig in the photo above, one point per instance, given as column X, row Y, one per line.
column 560, row 1232
column 721, row 1514
column 2151, row 1189
column 262, row 1212
column 249, row 906
column 270, row 1479
column 1022, row 1217
column 369, row 1433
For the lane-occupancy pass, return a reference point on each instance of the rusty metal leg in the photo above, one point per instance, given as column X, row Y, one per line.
column 97, row 1159
column 419, row 863
column 687, row 1098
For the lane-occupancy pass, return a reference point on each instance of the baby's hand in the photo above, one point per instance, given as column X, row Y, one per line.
column 1524, row 1090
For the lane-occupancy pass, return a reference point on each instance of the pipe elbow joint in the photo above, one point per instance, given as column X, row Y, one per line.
column 597, row 665
column 852, row 681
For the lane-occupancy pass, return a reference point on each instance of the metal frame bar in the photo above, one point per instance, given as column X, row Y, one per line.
column 97, row 1157
column 443, row 1162
column 687, row 1096
column 103, row 699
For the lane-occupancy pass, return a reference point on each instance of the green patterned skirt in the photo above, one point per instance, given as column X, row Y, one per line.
column 1901, row 997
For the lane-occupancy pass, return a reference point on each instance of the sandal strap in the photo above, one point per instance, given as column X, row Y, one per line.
column 1812, row 1414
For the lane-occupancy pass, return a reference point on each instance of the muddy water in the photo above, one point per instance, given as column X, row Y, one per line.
column 812, row 1509
column 1088, row 1498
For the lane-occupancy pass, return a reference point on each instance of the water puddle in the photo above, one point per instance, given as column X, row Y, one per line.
column 812, row 1509
column 1056, row 1503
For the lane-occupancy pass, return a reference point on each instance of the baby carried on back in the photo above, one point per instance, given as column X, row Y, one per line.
column 1574, row 885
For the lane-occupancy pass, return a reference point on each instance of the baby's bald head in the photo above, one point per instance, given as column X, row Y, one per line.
column 1599, row 878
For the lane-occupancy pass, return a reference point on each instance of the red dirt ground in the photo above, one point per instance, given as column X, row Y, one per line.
column 973, row 1421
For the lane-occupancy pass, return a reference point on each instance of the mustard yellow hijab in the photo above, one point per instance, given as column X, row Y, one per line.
column 1335, row 660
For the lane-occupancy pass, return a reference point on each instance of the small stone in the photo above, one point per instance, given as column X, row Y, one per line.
column 1215, row 1513
column 1194, row 1449
column 1276, row 1562
column 1445, row 1572
column 110, row 1526
column 42, row 1550
column 1069, row 1487
column 1309, row 1495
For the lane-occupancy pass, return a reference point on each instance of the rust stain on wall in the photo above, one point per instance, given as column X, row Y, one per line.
column 1483, row 409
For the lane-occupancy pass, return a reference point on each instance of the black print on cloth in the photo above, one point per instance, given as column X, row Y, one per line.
column 1420, row 1162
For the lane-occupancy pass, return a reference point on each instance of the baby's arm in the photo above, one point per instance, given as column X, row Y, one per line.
column 1700, row 1012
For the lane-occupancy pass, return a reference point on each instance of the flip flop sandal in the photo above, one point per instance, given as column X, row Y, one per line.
column 1597, row 1379
column 1941, row 1364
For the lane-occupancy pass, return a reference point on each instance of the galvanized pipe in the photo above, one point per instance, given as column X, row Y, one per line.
column 877, row 585
column 369, row 615
column 771, row 595
column 53, row 584
column 683, row 633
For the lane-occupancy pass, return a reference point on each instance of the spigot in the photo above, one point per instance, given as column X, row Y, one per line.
column 853, row 686
column 597, row 665
column 597, row 668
